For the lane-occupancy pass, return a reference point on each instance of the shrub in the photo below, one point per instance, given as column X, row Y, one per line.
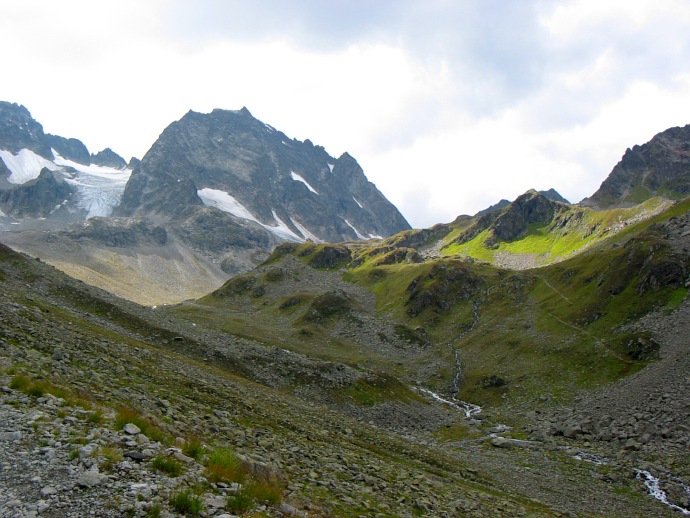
column 185, row 502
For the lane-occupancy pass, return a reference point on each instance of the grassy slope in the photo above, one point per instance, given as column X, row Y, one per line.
column 572, row 232
column 547, row 331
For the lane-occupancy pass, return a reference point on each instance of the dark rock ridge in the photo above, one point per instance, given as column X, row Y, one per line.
column 37, row 198
column 274, row 178
column 551, row 194
column 661, row 167
column 108, row 158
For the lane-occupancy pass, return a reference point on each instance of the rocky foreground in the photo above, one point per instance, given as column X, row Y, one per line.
column 79, row 390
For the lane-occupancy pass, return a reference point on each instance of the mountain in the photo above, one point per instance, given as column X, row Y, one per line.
column 233, row 162
column 661, row 167
column 222, row 189
column 48, row 176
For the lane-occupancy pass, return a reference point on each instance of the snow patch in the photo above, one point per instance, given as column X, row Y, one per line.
column 305, row 232
column 223, row 201
column 330, row 166
column 298, row 178
column 360, row 205
column 282, row 230
column 25, row 165
column 357, row 232
column 375, row 236
column 2, row 214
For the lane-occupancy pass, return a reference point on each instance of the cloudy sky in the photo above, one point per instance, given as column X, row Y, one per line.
column 448, row 105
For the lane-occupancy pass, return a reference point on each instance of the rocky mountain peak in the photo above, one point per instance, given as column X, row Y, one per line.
column 108, row 158
column 661, row 167
column 19, row 130
column 259, row 176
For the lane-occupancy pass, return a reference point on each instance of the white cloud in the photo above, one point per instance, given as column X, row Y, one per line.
column 448, row 106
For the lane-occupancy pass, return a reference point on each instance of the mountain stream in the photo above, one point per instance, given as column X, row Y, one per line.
column 469, row 409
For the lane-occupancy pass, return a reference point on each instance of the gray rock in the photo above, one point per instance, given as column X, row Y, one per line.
column 91, row 479
column 47, row 491
column 131, row 429
column 501, row 442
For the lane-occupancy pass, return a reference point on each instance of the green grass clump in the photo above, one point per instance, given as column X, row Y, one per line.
column 224, row 466
column 194, row 448
column 170, row 467
column 95, row 417
column 20, row 382
column 154, row 511
column 187, row 503
column 147, row 425
column 240, row 502
column 265, row 491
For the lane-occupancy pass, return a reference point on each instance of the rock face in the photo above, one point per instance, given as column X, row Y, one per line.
column 233, row 162
column 661, row 167
column 37, row 198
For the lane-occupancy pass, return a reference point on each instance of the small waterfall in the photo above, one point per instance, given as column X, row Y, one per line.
column 469, row 409
column 456, row 354
column 654, row 487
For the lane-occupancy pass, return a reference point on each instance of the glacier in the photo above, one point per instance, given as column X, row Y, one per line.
column 98, row 188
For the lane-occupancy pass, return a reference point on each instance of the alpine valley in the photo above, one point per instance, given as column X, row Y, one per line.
column 239, row 324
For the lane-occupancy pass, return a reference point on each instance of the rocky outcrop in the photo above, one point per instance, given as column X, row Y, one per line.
column 512, row 221
column 36, row 199
column 108, row 158
column 661, row 167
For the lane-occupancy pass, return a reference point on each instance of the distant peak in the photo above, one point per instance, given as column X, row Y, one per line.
column 245, row 111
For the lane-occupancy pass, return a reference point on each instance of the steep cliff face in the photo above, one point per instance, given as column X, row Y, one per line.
column 230, row 161
column 661, row 167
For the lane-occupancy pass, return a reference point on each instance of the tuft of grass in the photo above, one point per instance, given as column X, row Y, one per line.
column 224, row 466
column 35, row 391
column 239, row 503
column 95, row 417
column 20, row 382
column 111, row 456
column 154, row 511
column 167, row 465
column 147, row 425
column 187, row 503
column 194, row 448
column 265, row 491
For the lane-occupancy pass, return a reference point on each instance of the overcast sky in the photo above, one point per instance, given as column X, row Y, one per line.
column 448, row 105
